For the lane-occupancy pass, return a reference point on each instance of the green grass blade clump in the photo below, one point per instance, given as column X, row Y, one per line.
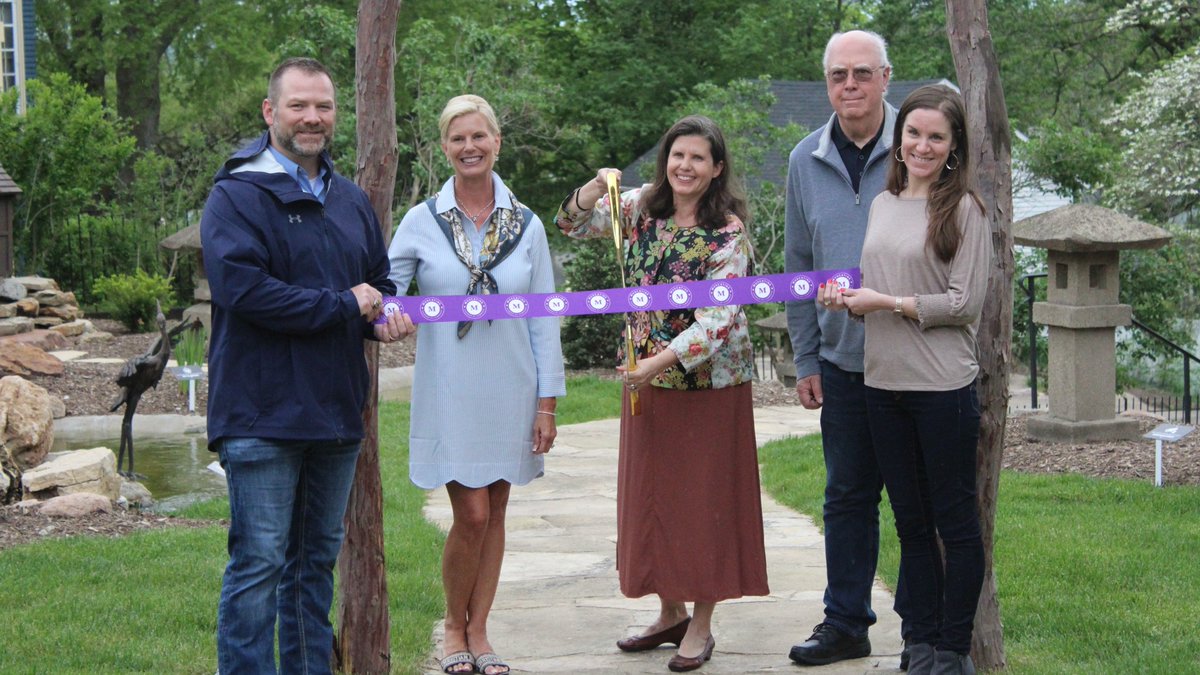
column 1095, row 575
column 147, row 603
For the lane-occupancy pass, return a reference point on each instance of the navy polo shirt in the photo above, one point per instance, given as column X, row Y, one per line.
column 853, row 157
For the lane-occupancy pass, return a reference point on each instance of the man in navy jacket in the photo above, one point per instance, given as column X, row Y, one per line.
column 298, row 268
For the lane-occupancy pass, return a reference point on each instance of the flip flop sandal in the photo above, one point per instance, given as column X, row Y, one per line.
column 490, row 660
column 454, row 662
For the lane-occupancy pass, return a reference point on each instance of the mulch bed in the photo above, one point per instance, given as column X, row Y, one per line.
column 19, row 525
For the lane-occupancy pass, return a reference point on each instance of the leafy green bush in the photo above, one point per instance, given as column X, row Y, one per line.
column 66, row 152
column 130, row 298
column 591, row 341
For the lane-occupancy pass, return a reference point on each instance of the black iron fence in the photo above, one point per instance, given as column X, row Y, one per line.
column 85, row 248
column 764, row 364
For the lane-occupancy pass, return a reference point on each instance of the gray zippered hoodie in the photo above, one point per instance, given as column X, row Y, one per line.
column 825, row 222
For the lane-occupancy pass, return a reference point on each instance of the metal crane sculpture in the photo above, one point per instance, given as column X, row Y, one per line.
column 137, row 375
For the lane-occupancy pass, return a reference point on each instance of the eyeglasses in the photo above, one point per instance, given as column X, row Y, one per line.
column 861, row 74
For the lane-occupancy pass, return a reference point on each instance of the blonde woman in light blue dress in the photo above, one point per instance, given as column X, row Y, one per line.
column 484, row 392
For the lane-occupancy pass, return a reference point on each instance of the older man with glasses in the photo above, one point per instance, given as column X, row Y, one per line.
column 833, row 175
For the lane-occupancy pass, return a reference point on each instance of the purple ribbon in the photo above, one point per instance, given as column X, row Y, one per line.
column 750, row 290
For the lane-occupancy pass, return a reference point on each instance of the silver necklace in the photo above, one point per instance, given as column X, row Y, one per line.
column 475, row 218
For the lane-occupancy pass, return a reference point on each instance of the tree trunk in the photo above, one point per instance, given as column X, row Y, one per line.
column 139, row 98
column 988, row 135
column 363, row 643
column 147, row 30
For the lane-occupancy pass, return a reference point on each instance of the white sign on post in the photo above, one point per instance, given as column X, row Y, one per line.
column 189, row 374
column 1169, row 433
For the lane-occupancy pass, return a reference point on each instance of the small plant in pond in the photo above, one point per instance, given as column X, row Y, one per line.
column 130, row 298
column 189, row 351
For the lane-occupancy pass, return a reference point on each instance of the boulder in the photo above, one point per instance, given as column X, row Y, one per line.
column 23, row 359
column 52, row 298
column 47, row 321
column 202, row 312
column 42, row 339
column 15, row 325
column 64, row 312
column 71, row 329
column 136, row 494
column 75, row 505
column 89, row 335
column 28, row 307
column 12, row 290
column 63, row 473
column 35, row 284
column 8, row 310
column 5, row 483
column 26, row 423
column 58, row 407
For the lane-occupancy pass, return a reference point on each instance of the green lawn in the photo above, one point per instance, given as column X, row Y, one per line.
column 1095, row 576
column 147, row 603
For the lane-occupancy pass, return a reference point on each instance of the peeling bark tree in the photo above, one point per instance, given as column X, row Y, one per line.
column 988, row 132
column 363, row 639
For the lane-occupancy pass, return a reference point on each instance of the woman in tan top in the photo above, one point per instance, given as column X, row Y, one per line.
column 925, row 272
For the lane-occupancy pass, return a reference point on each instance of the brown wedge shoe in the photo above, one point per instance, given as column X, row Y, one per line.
column 682, row 664
column 640, row 643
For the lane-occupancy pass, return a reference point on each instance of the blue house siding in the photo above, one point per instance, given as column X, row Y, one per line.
column 30, row 40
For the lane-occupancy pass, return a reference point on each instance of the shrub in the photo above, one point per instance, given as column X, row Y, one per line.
column 130, row 298
column 591, row 341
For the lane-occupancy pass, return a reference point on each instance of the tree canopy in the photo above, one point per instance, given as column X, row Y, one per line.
column 1103, row 88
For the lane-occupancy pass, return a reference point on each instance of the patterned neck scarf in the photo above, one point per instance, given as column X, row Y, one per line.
column 504, row 230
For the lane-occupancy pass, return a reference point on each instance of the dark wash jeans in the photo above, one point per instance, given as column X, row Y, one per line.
column 926, row 444
column 286, row 503
column 852, row 493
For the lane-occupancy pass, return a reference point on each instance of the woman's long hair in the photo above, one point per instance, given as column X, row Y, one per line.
column 956, row 178
column 724, row 194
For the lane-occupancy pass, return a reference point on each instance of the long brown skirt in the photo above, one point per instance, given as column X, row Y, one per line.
column 689, row 515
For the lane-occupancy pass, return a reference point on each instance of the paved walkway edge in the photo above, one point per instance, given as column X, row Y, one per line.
column 559, row 608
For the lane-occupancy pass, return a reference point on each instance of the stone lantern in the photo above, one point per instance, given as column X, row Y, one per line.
column 1082, row 311
column 188, row 239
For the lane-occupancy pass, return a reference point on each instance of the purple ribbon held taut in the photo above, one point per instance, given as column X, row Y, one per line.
column 750, row 290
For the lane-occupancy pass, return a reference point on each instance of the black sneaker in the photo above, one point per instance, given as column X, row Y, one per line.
column 829, row 644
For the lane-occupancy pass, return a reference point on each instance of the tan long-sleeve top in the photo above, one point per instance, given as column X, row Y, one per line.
column 937, row 351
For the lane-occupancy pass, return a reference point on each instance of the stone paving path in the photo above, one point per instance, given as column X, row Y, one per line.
column 559, row 608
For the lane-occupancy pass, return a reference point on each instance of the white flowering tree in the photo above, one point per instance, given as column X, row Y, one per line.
column 1157, row 171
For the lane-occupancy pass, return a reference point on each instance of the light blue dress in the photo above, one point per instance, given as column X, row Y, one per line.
column 474, row 400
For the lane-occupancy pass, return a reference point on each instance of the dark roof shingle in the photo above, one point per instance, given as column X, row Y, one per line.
column 7, row 185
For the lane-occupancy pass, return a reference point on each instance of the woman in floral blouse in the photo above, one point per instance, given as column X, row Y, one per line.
column 689, row 519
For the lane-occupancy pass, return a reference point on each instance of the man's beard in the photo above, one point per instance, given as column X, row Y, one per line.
column 289, row 142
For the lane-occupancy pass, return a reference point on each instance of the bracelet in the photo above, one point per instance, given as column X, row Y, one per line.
column 577, row 204
column 899, row 308
column 547, row 412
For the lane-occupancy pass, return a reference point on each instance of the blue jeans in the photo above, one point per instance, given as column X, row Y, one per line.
column 852, row 493
column 926, row 442
column 286, row 502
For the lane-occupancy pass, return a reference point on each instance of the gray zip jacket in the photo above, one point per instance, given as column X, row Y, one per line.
column 825, row 223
